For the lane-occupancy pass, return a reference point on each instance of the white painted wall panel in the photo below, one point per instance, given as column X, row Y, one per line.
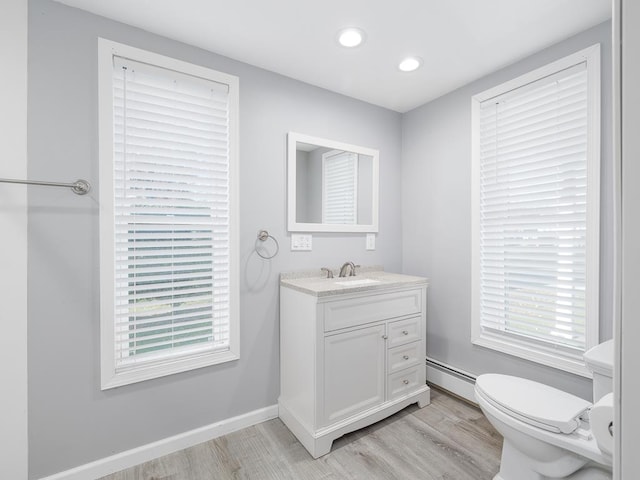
column 13, row 241
column 630, row 325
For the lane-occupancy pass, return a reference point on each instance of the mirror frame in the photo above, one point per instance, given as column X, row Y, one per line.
column 293, row 226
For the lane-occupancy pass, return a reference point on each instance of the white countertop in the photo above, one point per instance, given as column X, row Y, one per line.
column 314, row 282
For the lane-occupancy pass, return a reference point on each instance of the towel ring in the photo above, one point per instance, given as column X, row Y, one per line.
column 263, row 236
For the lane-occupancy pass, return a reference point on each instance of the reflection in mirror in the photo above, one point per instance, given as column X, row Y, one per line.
column 332, row 186
column 335, row 185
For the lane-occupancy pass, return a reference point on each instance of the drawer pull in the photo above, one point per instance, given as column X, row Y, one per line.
column 385, row 337
column 406, row 357
column 405, row 332
column 406, row 382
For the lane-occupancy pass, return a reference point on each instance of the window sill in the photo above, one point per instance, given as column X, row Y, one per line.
column 538, row 353
column 113, row 379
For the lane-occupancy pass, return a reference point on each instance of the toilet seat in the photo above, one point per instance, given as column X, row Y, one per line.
column 533, row 403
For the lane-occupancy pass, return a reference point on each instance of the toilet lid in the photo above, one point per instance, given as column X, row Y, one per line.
column 532, row 402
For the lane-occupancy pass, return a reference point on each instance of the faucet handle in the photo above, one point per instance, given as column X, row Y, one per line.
column 328, row 270
column 353, row 270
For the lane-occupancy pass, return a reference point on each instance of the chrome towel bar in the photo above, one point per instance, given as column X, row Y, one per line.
column 79, row 187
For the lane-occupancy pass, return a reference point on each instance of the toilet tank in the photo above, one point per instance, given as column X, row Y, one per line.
column 599, row 360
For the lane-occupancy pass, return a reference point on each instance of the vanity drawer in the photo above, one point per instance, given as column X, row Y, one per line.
column 404, row 381
column 404, row 331
column 404, row 356
column 371, row 308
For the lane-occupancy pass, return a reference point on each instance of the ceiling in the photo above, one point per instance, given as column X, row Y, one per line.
column 458, row 40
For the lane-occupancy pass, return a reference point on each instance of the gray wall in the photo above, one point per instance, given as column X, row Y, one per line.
column 302, row 179
column 436, row 216
column 365, row 189
column 312, row 187
column 71, row 421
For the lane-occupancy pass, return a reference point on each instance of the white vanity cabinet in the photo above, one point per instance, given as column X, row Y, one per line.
column 349, row 356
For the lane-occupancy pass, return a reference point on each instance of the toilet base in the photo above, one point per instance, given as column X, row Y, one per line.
column 589, row 473
column 515, row 465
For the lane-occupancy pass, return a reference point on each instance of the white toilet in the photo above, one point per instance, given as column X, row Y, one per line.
column 546, row 431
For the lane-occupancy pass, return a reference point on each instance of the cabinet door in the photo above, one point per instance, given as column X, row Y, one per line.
column 354, row 372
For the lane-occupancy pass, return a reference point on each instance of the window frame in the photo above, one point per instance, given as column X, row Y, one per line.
column 110, row 377
column 530, row 349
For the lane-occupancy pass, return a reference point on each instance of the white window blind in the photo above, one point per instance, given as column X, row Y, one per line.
column 533, row 180
column 340, row 187
column 168, row 196
column 171, row 216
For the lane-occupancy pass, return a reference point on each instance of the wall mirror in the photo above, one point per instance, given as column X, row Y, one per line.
column 332, row 186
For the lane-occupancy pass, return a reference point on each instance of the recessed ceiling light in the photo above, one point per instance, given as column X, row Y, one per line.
column 410, row 64
column 350, row 37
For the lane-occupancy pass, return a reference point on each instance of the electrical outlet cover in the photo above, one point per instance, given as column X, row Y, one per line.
column 371, row 241
column 301, row 242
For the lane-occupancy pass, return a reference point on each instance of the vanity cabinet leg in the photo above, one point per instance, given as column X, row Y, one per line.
column 424, row 399
column 322, row 446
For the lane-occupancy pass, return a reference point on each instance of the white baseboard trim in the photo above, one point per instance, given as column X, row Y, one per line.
column 144, row 453
column 451, row 378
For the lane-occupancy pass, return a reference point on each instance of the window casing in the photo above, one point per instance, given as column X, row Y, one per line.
column 535, row 213
column 168, row 215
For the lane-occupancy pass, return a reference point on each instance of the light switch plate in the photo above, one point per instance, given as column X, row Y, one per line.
column 371, row 241
column 301, row 242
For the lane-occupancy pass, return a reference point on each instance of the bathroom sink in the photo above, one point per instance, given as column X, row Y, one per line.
column 357, row 283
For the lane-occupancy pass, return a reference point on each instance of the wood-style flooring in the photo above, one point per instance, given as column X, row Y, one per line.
column 447, row 440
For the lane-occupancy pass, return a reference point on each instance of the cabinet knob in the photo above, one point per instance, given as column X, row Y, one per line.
column 405, row 332
column 406, row 357
column 405, row 382
column 385, row 337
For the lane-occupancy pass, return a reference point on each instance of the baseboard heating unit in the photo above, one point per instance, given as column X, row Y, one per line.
column 451, row 378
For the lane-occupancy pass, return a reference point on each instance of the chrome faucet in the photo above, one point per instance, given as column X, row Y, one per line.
column 348, row 266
